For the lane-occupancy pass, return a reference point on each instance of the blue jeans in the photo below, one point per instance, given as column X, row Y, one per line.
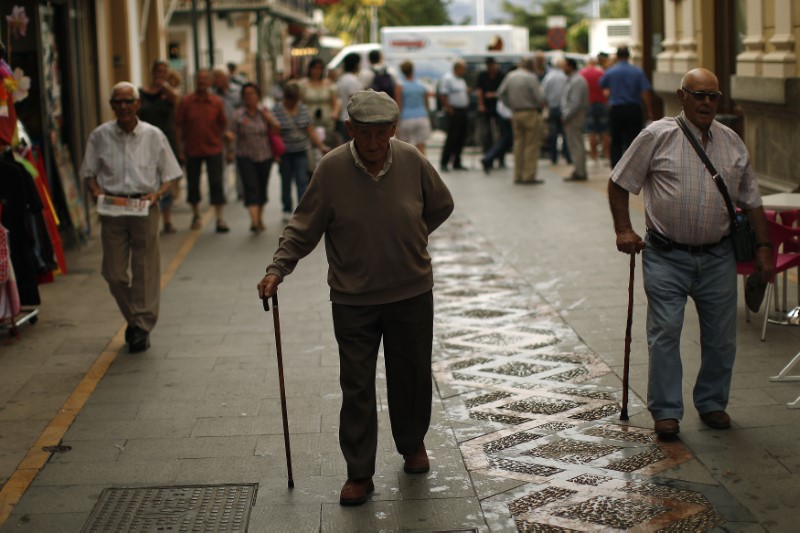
column 293, row 168
column 556, row 128
column 710, row 279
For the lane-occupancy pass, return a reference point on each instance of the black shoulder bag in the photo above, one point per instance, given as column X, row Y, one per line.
column 742, row 235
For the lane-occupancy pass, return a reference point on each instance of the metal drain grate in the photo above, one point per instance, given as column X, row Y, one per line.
column 199, row 508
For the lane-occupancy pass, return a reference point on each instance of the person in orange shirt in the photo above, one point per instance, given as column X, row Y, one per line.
column 200, row 127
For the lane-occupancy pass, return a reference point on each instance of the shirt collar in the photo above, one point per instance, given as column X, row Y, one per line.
column 122, row 132
column 360, row 164
column 695, row 130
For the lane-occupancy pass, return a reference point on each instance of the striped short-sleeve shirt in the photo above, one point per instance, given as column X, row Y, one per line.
column 681, row 199
column 129, row 163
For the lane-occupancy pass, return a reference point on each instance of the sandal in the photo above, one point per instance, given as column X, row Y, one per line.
column 197, row 223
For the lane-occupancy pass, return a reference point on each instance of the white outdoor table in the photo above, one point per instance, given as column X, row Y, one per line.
column 780, row 202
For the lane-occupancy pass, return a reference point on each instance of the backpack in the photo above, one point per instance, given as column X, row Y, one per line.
column 383, row 82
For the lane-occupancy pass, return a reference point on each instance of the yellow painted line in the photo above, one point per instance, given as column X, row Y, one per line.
column 36, row 458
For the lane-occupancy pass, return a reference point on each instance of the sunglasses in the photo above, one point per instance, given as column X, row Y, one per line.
column 702, row 95
column 120, row 101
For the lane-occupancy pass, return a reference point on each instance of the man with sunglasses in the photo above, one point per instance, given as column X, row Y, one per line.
column 685, row 251
column 129, row 158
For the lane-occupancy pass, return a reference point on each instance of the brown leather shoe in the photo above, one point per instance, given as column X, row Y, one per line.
column 356, row 491
column 716, row 419
column 667, row 428
column 417, row 463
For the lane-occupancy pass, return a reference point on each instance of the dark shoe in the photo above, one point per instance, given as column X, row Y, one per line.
column 459, row 167
column 128, row 333
column 356, row 491
column 140, row 340
column 502, row 164
column 667, row 428
column 418, row 462
column 222, row 227
column 716, row 419
column 197, row 222
column 487, row 166
column 754, row 290
column 575, row 177
column 168, row 227
column 254, row 228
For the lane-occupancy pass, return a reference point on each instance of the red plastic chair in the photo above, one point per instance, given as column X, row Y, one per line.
column 790, row 218
column 783, row 261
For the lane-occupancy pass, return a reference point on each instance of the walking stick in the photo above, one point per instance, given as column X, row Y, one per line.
column 277, row 321
column 627, row 363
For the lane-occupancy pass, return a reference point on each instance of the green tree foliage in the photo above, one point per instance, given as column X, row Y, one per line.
column 534, row 17
column 578, row 37
column 615, row 9
column 350, row 19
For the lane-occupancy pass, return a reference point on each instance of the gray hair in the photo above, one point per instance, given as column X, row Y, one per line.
column 126, row 85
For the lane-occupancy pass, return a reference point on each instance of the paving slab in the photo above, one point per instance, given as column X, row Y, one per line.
column 530, row 299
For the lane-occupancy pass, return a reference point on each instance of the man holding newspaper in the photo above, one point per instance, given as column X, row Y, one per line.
column 128, row 166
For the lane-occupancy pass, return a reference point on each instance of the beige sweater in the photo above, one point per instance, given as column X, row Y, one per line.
column 376, row 232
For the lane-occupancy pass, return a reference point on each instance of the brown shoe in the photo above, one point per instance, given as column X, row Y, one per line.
column 417, row 463
column 356, row 491
column 716, row 419
column 667, row 428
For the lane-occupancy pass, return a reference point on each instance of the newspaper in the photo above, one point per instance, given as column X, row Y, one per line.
column 119, row 206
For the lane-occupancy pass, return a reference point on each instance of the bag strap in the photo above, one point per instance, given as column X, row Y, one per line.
column 710, row 166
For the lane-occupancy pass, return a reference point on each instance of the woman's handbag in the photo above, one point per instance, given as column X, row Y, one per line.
column 276, row 145
column 742, row 235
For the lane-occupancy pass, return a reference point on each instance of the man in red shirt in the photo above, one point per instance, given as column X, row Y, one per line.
column 200, row 127
column 597, row 118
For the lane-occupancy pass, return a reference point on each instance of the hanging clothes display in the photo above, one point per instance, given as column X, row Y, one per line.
column 9, row 295
column 21, row 201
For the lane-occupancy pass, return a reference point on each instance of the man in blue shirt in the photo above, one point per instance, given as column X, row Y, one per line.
column 629, row 101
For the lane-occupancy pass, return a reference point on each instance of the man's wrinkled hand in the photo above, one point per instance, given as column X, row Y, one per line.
column 268, row 286
column 628, row 242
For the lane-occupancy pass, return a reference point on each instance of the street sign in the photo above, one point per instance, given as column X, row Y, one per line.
column 557, row 38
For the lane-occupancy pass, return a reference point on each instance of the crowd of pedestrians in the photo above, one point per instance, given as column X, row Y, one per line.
column 224, row 125
column 377, row 199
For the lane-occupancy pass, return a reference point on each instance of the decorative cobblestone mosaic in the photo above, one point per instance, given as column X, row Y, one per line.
column 502, row 348
column 508, row 442
column 612, row 512
column 572, row 451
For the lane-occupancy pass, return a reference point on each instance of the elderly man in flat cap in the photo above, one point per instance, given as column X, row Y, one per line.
column 376, row 200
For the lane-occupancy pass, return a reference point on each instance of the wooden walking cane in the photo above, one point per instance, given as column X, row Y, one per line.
column 627, row 363
column 277, row 321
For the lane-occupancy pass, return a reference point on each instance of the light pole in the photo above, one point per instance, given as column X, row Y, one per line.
column 373, row 19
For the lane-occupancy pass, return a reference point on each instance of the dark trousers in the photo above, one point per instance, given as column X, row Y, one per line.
column 556, row 128
column 503, row 145
column 456, row 135
column 255, row 178
column 490, row 127
column 625, row 122
column 406, row 328
column 216, row 188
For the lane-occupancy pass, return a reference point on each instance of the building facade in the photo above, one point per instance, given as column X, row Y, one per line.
column 752, row 47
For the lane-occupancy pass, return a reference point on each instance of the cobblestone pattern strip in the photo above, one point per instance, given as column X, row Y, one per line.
column 524, row 386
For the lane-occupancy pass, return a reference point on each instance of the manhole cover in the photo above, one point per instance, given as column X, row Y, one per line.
column 217, row 508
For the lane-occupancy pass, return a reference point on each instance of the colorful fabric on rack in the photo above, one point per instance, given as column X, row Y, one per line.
column 9, row 294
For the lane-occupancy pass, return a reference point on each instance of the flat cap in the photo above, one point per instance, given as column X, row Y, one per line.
column 370, row 107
